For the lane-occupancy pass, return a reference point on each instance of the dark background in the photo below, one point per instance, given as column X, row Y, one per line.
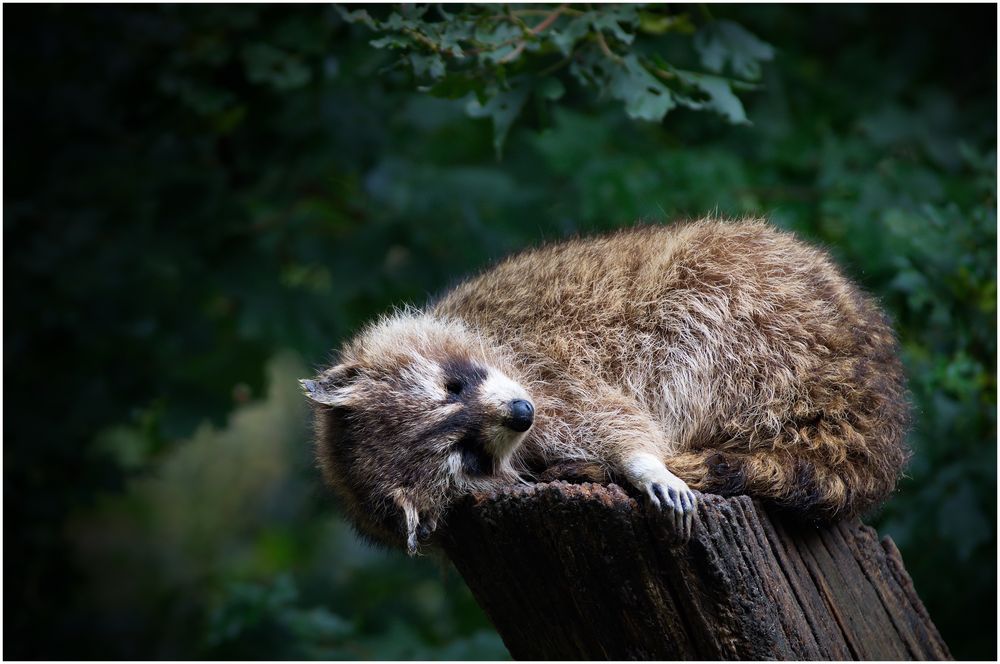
column 188, row 230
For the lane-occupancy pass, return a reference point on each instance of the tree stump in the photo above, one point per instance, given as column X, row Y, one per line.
column 583, row 571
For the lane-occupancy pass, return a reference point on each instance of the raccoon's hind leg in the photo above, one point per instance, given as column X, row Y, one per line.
column 789, row 482
column 818, row 482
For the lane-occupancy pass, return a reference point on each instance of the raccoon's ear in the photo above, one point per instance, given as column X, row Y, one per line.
column 332, row 387
column 411, row 519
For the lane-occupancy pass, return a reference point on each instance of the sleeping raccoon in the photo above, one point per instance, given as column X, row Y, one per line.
column 710, row 356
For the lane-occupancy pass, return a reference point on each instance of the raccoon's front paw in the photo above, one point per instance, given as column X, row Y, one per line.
column 675, row 496
column 666, row 491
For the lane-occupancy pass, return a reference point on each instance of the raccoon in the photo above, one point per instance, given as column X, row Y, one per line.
column 708, row 356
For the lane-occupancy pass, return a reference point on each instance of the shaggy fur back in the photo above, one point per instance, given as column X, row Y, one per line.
column 764, row 370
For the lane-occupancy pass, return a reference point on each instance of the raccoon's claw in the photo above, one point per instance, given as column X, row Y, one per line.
column 679, row 501
column 419, row 535
column 666, row 491
column 411, row 543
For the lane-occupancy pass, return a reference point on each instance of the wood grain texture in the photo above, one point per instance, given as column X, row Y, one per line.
column 583, row 571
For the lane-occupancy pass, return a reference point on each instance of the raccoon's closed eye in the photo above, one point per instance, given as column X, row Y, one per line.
column 455, row 386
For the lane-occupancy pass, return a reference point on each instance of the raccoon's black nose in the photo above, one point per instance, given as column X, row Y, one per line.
column 522, row 414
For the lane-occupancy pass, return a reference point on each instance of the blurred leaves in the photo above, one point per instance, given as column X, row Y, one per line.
column 270, row 65
column 503, row 108
column 724, row 43
column 491, row 55
column 227, row 525
column 207, row 200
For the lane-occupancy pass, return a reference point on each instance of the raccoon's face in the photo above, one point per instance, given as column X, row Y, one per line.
column 398, row 438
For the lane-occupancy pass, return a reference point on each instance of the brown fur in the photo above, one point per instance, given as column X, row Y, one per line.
column 735, row 353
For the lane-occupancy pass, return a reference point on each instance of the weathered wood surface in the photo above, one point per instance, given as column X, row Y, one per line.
column 583, row 571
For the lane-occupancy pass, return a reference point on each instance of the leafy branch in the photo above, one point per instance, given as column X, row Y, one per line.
column 490, row 58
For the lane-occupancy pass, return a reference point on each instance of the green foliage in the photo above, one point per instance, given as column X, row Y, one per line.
column 202, row 202
column 489, row 57
column 247, row 565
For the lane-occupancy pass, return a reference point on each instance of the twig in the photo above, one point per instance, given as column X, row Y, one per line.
column 607, row 50
column 539, row 28
column 546, row 22
column 493, row 47
column 664, row 74
column 521, row 42
column 422, row 38
column 513, row 55
column 569, row 11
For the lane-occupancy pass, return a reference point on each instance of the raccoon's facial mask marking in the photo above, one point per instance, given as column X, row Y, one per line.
column 475, row 460
column 468, row 384
column 462, row 378
column 492, row 417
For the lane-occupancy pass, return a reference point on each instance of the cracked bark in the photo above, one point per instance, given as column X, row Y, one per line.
column 583, row 571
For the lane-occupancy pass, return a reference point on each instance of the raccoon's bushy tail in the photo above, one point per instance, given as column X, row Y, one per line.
column 809, row 486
